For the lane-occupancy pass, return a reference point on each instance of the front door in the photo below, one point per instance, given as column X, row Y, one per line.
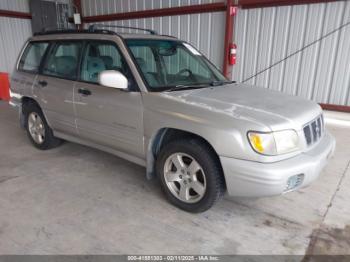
column 107, row 116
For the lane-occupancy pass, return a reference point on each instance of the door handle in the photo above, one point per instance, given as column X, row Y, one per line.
column 84, row 92
column 42, row 83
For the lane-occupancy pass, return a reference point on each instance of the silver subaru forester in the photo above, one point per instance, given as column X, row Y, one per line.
column 158, row 102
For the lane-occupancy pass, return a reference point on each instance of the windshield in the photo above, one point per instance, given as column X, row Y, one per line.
column 170, row 65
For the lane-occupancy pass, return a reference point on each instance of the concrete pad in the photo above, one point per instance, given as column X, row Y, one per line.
column 78, row 200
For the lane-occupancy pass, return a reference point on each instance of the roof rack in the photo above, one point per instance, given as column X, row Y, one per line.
column 73, row 31
column 94, row 27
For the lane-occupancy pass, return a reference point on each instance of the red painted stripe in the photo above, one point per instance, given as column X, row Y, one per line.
column 14, row 14
column 268, row 3
column 181, row 10
column 193, row 9
column 338, row 108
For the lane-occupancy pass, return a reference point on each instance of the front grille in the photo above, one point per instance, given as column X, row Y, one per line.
column 313, row 131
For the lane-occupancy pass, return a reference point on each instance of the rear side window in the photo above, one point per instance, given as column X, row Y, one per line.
column 63, row 60
column 32, row 56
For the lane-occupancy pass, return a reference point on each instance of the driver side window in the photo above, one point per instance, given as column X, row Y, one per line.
column 100, row 56
column 145, row 59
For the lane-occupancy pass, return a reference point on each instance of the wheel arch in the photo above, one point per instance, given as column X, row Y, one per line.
column 162, row 137
column 25, row 100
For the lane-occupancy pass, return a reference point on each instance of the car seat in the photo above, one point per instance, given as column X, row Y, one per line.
column 108, row 61
column 151, row 78
column 64, row 66
column 94, row 65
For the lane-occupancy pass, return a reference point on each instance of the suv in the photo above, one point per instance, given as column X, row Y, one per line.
column 158, row 102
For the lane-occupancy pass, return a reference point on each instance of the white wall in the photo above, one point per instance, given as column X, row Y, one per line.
column 15, row 5
column 320, row 72
column 13, row 33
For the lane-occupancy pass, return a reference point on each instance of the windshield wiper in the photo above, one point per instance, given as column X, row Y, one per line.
column 184, row 87
column 202, row 85
column 220, row 83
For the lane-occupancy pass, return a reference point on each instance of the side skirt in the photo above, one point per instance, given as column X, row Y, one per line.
column 117, row 153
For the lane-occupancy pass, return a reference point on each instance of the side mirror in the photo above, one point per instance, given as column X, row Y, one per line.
column 113, row 78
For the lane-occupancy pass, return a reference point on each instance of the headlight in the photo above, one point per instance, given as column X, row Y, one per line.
column 274, row 143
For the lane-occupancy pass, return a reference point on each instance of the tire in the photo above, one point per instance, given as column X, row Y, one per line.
column 201, row 189
column 38, row 131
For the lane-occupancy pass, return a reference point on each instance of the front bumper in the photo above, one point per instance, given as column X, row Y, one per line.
column 253, row 179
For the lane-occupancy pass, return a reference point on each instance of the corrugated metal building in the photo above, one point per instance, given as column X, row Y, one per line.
column 300, row 49
column 13, row 32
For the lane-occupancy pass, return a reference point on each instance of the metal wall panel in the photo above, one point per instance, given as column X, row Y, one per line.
column 23, row 5
column 102, row 7
column 320, row 72
column 204, row 31
column 13, row 34
column 15, row 5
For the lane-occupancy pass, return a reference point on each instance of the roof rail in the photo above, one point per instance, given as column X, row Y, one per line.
column 170, row 36
column 73, row 31
column 94, row 27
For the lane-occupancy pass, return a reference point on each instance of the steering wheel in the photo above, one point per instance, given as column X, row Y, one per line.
column 190, row 74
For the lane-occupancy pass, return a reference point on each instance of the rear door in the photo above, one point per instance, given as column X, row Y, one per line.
column 105, row 115
column 54, row 85
column 23, row 78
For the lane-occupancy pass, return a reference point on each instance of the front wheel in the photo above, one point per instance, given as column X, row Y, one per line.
column 190, row 175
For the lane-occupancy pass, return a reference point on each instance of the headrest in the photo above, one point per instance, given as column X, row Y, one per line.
column 95, row 65
column 65, row 65
column 107, row 60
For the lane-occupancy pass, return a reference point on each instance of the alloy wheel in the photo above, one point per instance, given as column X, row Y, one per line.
column 185, row 177
column 36, row 128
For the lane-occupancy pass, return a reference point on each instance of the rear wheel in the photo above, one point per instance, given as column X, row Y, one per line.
column 38, row 131
column 190, row 175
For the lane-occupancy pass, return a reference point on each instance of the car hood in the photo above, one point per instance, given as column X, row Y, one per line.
column 273, row 109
